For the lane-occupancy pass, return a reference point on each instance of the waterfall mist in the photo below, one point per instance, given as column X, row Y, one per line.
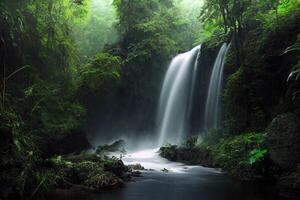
column 189, row 103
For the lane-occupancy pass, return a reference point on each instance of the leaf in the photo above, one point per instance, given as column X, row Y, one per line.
column 256, row 155
column 116, row 74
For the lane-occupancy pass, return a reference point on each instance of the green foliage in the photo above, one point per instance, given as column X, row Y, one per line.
column 37, row 90
column 256, row 90
column 212, row 138
column 296, row 69
column 169, row 151
column 243, row 156
column 52, row 112
column 257, row 155
column 235, row 114
column 98, row 78
column 97, row 29
column 88, row 171
column 101, row 70
column 152, row 32
column 190, row 142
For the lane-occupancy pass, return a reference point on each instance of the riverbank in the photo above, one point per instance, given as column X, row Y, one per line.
column 245, row 158
column 180, row 182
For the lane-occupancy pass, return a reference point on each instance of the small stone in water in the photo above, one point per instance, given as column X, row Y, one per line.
column 165, row 170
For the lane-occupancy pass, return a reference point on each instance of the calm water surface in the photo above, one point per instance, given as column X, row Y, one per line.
column 181, row 183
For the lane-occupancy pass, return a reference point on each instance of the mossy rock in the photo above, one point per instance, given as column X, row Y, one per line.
column 169, row 152
column 89, row 171
column 136, row 167
column 283, row 140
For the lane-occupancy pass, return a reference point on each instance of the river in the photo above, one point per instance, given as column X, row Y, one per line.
column 181, row 182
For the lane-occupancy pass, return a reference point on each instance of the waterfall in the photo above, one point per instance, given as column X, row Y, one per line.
column 175, row 97
column 191, row 97
column 212, row 106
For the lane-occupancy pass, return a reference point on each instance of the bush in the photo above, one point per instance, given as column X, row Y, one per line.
column 244, row 156
column 190, row 142
column 88, row 171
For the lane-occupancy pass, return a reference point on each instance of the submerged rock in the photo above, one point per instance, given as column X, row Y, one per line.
column 283, row 140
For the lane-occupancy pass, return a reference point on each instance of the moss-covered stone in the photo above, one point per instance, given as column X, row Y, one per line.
column 89, row 171
column 136, row 167
column 283, row 140
column 196, row 155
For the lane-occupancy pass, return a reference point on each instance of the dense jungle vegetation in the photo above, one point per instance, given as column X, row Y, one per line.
column 66, row 64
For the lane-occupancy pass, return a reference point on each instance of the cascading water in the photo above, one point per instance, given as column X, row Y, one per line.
column 191, row 97
column 173, row 103
column 212, row 106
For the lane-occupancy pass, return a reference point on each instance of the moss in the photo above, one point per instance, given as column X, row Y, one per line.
column 256, row 90
column 88, row 171
column 192, row 154
column 169, row 151
column 243, row 156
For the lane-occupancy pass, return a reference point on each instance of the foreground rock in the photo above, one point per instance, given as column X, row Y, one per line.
column 283, row 143
column 89, row 171
column 283, row 140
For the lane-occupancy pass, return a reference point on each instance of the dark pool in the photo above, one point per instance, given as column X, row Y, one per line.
column 196, row 184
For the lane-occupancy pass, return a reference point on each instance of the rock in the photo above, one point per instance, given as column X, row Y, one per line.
column 84, row 171
column 136, row 173
column 165, row 170
column 289, row 184
column 193, row 156
column 115, row 166
column 169, row 152
column 117, row 146
column 283, row 140
column 136, row 167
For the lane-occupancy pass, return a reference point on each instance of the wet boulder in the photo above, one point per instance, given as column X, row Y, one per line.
column 170, row 152
column 283, row 140
column 136, row 167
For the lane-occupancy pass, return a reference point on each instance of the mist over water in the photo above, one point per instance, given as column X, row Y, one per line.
column 177, row 102
column 162, row 178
